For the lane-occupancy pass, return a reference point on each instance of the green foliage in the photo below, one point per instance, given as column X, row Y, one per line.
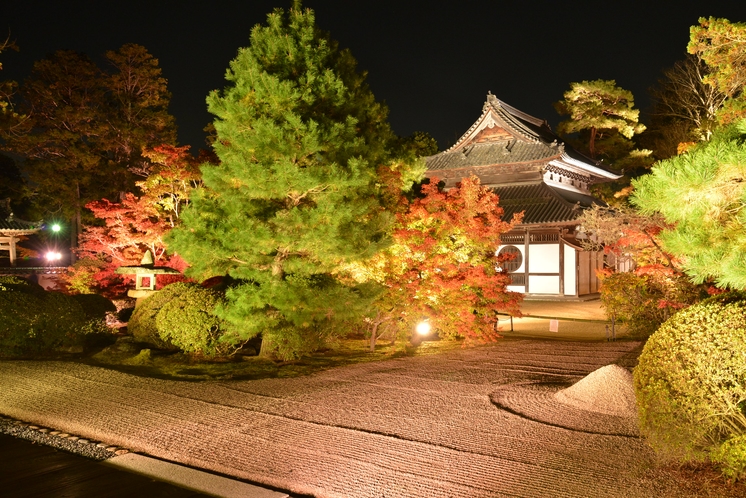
column 722, row 46
column 605, row 112
column 731, row 457
column 299, row 136
column 702, row 195
column 691, row 379
column 642, row 302
column 142, row 324
column 35, row 321
column 80, row 278
column 189, row 323
column 94, row 306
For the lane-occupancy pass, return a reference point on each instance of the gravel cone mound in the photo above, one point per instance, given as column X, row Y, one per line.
column 607, row 390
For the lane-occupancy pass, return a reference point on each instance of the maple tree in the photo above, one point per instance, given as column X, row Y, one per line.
column 442, row 265
column 135, row 224
column 656, row 286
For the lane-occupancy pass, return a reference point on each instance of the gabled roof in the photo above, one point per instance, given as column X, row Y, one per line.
column 505, row 135
column 541, row 203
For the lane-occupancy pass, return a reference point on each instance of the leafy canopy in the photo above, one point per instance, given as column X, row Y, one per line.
column 442, row 264
column 722, row 46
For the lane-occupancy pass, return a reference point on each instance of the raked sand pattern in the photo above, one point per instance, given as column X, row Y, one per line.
column 481, row 422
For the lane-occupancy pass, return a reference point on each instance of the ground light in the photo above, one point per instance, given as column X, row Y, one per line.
column 423, row 328
column 53, row 256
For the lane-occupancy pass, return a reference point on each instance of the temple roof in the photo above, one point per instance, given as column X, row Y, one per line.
column 542, row 204
column 505, row 135
column 14, row 226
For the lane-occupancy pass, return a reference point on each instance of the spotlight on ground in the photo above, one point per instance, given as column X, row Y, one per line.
column 423, row 328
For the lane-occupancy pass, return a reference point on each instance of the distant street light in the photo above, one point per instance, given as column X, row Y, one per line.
column 56, row 228
column 53, row 256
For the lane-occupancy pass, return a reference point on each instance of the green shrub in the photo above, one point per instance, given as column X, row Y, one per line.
column 691, row 379
column 731, row 457
column 36, row 321
column 94, row 306
column 142, row 324
column 188, row 321
column 643, row 302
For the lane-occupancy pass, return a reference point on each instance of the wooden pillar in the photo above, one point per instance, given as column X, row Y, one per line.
column 561, row 262
column 12, row 248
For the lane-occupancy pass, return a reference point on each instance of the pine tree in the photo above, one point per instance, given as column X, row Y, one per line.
column 299, row 136
column 701, row 194
column 605, row 113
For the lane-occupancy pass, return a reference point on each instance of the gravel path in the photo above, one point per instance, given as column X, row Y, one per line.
column 481, row 422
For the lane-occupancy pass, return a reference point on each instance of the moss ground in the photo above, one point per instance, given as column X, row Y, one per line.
column 178, row 366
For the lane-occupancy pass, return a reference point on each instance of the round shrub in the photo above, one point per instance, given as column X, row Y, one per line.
column 691, row 379
column 142, row 324
column 37, row 321
column 189, row 323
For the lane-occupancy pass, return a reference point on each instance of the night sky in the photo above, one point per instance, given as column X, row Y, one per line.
column 432, row 66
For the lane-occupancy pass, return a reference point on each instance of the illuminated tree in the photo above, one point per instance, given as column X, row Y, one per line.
column 722, row 46
column 126, row 229
column 604, row 116
column 442, row 265
column 84, row 129
column 299, row 136
column 685, row 107
column 701, row 195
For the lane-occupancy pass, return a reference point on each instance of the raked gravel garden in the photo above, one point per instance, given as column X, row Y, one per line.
column 519, row 418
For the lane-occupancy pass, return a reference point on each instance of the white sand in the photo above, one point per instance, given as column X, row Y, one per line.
column 403, row 428
column 607, row 390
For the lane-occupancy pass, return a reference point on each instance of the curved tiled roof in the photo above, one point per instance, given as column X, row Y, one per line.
column 525, row 138
column 541, row 203
column 19, row 227
column 485, row 154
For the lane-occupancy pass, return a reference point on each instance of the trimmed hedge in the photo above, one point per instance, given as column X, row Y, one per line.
column 36, row 321
column 691, row 383
column 142, row 324
column 180, row 316
column 190, row 324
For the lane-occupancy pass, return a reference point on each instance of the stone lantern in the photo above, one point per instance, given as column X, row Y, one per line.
column 145, row 275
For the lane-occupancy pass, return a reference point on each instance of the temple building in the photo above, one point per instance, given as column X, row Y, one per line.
column 534, row 172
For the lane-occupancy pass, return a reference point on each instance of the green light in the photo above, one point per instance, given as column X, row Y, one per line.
column 56, row 227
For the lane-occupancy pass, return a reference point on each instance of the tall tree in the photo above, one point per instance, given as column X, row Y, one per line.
column 685, row 107
column 298, row 135
column 139, row 108
column 605, row 117
column 701, row 194
column 84, row 130
column 7, row 89
column 722, row 46
column 62, row 101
